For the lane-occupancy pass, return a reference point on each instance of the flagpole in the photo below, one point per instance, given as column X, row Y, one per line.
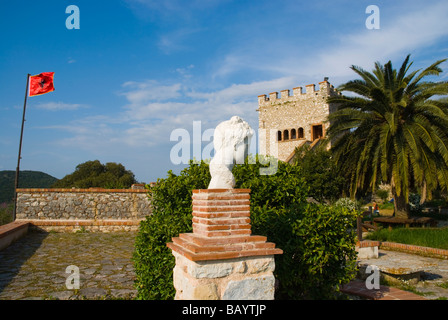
column 16, row 184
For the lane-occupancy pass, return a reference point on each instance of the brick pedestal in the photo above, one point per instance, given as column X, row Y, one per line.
column 221, row 259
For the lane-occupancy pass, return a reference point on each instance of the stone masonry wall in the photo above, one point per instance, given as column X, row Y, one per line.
column 231, row 279
column 97, row 206
column 299, row 111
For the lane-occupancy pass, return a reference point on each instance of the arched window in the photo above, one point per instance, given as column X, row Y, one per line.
column 300, row 136
column 279, row 136
column 285, row 135
column 293, row 134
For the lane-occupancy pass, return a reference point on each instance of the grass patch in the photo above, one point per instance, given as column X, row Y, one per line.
column 387, row 206
column 404, row 285
column 425, row 237
column 443, row 285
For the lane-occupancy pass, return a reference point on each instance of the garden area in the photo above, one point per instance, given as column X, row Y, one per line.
column 433, row 237
column 425, row 237
column 389, row 131
column 310, row 207
column 318, row 240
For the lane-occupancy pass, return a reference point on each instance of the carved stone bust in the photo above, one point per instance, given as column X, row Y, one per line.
column 231, row 143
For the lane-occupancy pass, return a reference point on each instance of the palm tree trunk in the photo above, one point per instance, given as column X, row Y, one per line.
column 401, row 206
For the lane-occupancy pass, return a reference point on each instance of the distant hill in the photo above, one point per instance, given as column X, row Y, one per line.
column 27, row 179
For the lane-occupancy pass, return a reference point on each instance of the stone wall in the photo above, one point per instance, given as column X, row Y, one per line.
column 88, row 208
column 292, row 117
column 230, row 279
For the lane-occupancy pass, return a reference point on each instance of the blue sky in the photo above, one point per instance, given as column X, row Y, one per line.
column 138, row 69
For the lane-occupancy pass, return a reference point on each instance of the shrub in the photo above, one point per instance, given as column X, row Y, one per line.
column 320, row 172
column 172, row 214
column 6, row 211
column 318, row 248
column 347, row 203
column 414, row 202
column 383, row 194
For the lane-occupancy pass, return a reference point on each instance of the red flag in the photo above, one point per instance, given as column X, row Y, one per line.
column 42, row 83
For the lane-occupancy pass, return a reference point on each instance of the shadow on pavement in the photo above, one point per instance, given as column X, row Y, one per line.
column 14, row 256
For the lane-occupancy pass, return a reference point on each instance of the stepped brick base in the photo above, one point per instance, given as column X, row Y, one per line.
column 221, row 228
column 238, row 265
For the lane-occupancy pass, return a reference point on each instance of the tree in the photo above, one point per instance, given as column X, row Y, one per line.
column 394, row 129
column 320, row 172
column 95, row 174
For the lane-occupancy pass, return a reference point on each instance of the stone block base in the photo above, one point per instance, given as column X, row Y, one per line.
column 245, row 278
column 367, row 249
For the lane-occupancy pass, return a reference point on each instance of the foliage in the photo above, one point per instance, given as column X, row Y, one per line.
column 95, row 174
column 414, row 202
column 6, row 210
column 171, row 215
column 325, row 249
column 393, row 130
column 383, row 194
column 27, row 179
column 320, row 172
column 426, row 237
column 317, row 242
column 347, row 203
column 386, row 206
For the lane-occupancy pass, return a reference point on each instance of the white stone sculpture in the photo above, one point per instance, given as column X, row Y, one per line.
column 231, row 142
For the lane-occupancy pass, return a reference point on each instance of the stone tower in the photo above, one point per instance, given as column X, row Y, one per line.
column 290, row 121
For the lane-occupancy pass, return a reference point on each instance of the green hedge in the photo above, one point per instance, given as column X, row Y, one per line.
column 318, row 241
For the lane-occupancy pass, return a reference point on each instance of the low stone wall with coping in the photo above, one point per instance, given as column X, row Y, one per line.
column 93, row 209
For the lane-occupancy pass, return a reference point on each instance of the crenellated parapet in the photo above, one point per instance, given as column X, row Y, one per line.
column 290, row 119
column 325, row 90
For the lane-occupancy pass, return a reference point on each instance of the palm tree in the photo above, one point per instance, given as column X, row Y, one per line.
column 393, row 129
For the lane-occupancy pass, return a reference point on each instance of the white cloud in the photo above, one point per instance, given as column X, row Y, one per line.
column 176, row 40
column 397, row 37
column 185, row 72
column 248, row 91
column 150, row 90
column 174, row 9
column 154, row 110
column 403, row 30
column 59, row 106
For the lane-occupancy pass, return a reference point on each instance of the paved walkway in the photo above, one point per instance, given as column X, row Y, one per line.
column 358, row 288
column 433, row 283
column 34, row 267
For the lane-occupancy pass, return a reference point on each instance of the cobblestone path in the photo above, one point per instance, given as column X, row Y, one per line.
column 434, row 280
column 34, row 267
